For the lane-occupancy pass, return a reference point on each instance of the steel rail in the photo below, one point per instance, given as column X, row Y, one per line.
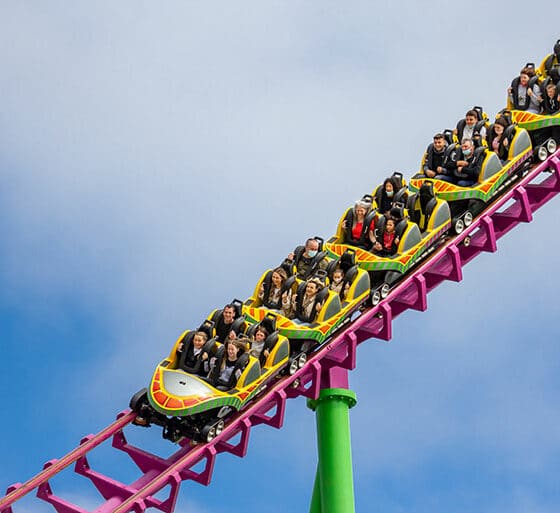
column 55, row 466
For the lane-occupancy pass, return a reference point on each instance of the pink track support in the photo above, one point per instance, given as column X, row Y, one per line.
column 328, row 365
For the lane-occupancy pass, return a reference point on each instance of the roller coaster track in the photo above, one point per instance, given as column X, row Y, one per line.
column 516, row 206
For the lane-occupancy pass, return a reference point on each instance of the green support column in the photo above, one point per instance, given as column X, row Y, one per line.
column 316, row 499
column 333, row 491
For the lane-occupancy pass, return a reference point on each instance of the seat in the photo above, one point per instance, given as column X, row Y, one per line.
column 269, row 324
column 181, row 353
column 448, row 135
column 519, row 141
column 398, row 213
column 490, row 166
column 421, row 205
column 207, row 327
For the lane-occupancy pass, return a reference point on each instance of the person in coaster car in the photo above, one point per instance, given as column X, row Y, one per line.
column 361, row 209
column 434, row 157
column 386, row 197
column 196, row 360
column 388, row 241
column 257, row 343
column 466, row 168
column 228, row 375
column 471, row 127
column 275, row 299
column 306, row 263
column 551, row 100
column 524, row 92
column 496, row 138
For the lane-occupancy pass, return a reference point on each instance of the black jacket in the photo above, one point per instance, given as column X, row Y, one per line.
column 470, row 171
column 434, row 159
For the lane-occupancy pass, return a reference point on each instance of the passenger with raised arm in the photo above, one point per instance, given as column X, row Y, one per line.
column 310, row 260
column 236, row 331
column 551, row 100
column 307, row 309
column 435, row 157
column 467, row 166
column 357, row 234
column 224, row 323
column 196, row 360
column 552, row 63
column 257, row 343
column 276, row 299
column 471, row 127
column 387, row 243
column 524, row 92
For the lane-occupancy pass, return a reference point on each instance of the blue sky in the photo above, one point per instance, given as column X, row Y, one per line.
column 156, row 159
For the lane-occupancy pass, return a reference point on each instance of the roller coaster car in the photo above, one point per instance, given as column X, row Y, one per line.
column 542, row 127
column 190, row 406
column 493, row 179
column 419, row 233
column 306, row 333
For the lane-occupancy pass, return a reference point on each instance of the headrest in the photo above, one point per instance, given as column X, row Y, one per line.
column 479, row 112
column 269, row 322
column 426, row 193
column 397, row 213
column 207, row 327
column 238, row 304
column 238, row 325
column 347, row 260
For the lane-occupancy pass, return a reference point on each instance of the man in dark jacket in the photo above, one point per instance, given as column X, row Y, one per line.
column 434, row 157
column 466, row 168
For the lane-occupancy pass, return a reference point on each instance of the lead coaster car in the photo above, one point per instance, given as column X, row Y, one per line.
column 190, row 406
